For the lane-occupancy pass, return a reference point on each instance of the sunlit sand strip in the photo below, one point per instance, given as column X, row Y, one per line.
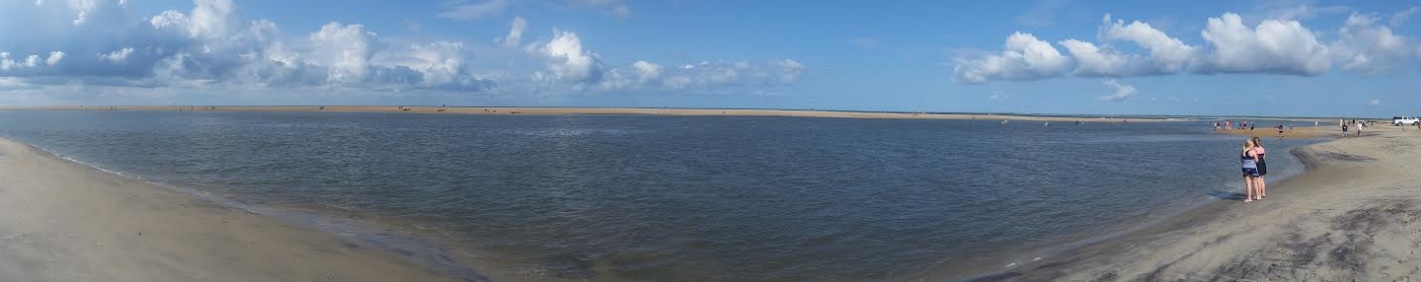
column 62, row 221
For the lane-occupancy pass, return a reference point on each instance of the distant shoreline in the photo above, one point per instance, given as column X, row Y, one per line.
column 624, row 111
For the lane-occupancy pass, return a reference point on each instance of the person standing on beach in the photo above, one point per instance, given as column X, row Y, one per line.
column 1250, row 170
column 1258, row 151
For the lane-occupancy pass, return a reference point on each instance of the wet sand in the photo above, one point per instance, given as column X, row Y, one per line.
column 1289, row 132
column 603, row 111
column 62, row 221
column 1355, row 215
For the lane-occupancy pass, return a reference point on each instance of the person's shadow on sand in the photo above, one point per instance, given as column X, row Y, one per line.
column 1226, row 195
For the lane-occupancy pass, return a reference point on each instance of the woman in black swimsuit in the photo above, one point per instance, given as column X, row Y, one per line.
column 1262, row 166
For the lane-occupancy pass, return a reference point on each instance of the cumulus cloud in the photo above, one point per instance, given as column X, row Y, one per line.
column 1122, row 91
column 569, row 64
column 1365, row 46
column 214, row 46
column 647, row 71
column 117, row 56
column 15, row 64
column 1273, row 46
column 54, row 58
column 1024, row 58
column 566, row 60
column 515, row 33
column 1167, row 54
column 1280, row 45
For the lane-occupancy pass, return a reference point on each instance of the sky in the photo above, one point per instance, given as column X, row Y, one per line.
column 1254, row 57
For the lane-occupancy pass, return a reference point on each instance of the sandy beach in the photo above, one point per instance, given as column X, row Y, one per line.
column 67, row 222
column 1353, row 216
column 599, row 111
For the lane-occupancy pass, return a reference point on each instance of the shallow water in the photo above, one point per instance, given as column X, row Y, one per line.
column 683, row 198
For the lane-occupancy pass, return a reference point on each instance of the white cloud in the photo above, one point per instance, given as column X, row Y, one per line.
column 1092, row 60
column 9, row 63
column 1364, row 46
column 998, row 96
column 1273, row 46
column 346, row 49
column 82, row 9
column 515, row 33
column 1167, row 54
column 213, row 46
column 32, row 61
column 1277, row 44
column 566, row 59
column 1024, row 58
column 117, row 56
column 54, row 58
column 788, row 70
column 1122, row 91
column 1375, row 102
column 647, row 71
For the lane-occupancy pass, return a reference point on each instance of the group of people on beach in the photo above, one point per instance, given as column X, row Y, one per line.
column 1242, row 125
column 1254, row 169
column 1354, row 125
column 1229, row 125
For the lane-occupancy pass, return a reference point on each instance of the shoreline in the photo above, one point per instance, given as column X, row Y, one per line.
column 1027, row 257
column 67, row 220
column 1348, row 216
column 468, row 110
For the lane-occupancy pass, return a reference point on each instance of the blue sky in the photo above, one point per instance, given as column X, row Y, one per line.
column 1265, row 57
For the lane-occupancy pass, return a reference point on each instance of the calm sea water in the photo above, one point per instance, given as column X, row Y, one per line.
column 678, row 198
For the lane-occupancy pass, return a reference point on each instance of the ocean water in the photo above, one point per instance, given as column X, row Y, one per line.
column 675, row 198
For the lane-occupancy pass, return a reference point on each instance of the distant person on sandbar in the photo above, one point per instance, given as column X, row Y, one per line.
column 1250, row 170
column 1258, row 150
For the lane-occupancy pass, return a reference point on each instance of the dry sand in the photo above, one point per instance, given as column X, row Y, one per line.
column 1355, row 215
column 599, row 111
column 61, row 221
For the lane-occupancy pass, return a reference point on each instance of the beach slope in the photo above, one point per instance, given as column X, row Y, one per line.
column 1355, row 215
column 61, row 221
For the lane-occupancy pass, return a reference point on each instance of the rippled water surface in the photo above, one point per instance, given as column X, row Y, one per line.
column 681, row 198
